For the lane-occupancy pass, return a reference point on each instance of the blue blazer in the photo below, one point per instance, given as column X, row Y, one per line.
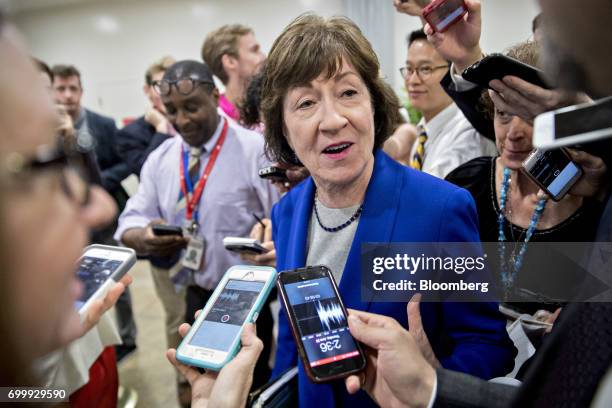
column 401, row 205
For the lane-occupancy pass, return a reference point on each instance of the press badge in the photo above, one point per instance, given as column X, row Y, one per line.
column 194, row 254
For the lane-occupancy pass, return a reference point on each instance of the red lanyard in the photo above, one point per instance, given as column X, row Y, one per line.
column 194, row 199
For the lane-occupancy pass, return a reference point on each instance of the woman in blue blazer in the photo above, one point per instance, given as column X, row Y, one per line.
column 324, row 102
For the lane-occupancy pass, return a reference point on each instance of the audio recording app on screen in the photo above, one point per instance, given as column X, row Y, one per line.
column 322, row 324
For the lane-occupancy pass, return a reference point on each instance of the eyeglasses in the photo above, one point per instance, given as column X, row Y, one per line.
column 75, row 171
column 423, row 72
column 184, row 86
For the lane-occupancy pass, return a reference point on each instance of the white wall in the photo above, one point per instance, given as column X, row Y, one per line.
column 113, row 41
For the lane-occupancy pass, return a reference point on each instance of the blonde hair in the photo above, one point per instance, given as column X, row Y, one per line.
column 223, row 40
column 159, row 66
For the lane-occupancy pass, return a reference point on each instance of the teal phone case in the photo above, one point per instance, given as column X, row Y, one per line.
column 236, row 344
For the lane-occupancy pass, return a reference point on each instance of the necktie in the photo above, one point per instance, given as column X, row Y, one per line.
column 419, row 154
column 193, row 170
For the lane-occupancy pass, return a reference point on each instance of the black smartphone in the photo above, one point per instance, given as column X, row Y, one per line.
column 319, row 324
column 162, row 230
column 273, row 173
column 552, row 170
column 497, row 66
column 239, row 244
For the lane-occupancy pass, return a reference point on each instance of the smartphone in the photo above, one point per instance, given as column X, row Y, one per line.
column 577, row 124
column 273, row 173
column 100, row 267
column 441, row 14
column 497, row 66
column 239, row 244
column 553, row 170
column 214, row 338
column 162, row 230
column 318, row 321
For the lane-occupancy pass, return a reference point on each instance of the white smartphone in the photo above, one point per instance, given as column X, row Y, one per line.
column 100, row 267
column 572, row 125
column 214, row 338
column 238, row 244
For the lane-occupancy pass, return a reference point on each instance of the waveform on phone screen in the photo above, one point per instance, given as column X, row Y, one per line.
column 330, row 314
column 229, row 296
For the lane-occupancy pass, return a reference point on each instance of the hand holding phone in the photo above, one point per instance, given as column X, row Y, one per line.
column 99, row 268
column 241, row 245
column 214, row 338
column 231, row 386
column 497, row 66
column 553, row 171
column 163, row 230
column 460, row 43
column 319, row 325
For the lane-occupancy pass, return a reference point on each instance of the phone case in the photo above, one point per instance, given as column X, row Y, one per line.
column 566, row 188
column 433, row 6
column 115, row 277
column 249, row 319
column 294, row 330
column 496, row 66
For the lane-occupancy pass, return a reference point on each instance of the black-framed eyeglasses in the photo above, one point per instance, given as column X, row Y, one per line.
column 74, row 166
column 184, row 86
column 423, row 71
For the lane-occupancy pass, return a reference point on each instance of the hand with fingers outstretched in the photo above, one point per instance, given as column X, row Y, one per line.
column 228, row 388
column 401, row 365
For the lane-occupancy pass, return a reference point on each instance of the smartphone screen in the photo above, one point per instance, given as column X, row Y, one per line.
column 554, row 170
column 226, row 316
column 588, row 119
column 321, row 321
column 446, row 13
column 93, row 272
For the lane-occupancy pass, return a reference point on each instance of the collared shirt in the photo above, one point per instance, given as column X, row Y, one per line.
column 234, row 192
column 451, row 141
column 229, row 108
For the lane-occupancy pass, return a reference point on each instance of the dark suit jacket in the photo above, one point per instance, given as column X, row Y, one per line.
column 401, row 205
column 136, row 141
column 470, row 105
column 112, row 167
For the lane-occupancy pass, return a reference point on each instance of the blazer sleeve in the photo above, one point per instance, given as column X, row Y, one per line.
column 459, row 390
column 286, row 350
column 482, row 346
column 469, row 103
column 118, row 170
column 134, row 148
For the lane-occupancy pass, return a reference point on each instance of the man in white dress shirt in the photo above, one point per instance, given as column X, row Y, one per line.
column 446, row 138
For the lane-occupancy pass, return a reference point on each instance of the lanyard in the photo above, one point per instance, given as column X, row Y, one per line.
column 192, row 200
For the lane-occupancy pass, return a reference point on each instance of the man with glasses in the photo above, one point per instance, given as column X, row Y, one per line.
column 207, row 181
column 445, row 138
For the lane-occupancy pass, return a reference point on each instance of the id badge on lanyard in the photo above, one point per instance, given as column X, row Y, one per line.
column 193, row 257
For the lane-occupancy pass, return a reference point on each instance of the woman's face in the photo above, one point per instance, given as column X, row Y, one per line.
column 514, row 139
column 43, row 229
column 330, row 125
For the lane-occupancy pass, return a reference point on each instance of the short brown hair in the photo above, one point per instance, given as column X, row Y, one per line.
column 159, row 66
column 309, row 46
column 223, row 40
column 65, row 71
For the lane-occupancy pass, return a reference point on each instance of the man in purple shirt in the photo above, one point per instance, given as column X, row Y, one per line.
column 234, row 56
column 226, row 159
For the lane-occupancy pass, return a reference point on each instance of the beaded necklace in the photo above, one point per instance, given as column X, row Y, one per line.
column 508, row 273
column 338, row 227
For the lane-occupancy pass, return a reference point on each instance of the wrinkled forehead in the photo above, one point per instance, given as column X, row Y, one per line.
column 27, row 117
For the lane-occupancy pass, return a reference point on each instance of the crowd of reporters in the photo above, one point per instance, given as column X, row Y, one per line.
column 356, row 172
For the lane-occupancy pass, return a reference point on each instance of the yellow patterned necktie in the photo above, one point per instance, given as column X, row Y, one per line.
column 419, row 154
column 193, row 172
